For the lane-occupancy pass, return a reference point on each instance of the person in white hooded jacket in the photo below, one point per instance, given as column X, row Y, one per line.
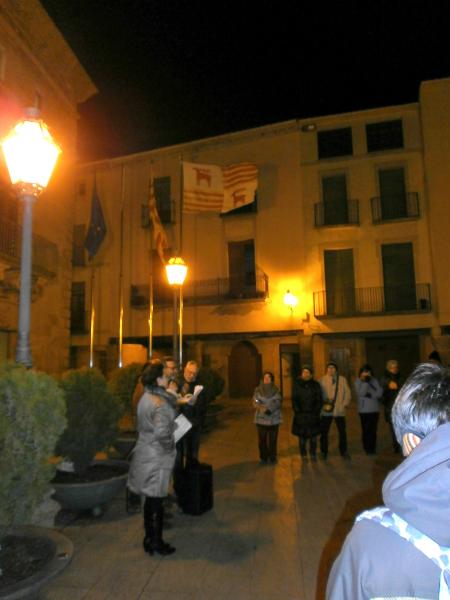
column 402, row 549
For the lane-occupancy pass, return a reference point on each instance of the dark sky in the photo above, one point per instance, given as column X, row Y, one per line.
column 170, row 71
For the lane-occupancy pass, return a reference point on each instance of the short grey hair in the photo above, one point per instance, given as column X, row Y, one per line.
column 423, row 402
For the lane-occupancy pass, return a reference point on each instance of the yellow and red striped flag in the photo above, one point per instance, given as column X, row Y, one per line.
column 159, row 235
column 202, row 188
column 240, row 183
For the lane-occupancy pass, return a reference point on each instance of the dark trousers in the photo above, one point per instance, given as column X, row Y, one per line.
column 325, row 424
column 267, row 441
column 369, row 425
column 302, row 443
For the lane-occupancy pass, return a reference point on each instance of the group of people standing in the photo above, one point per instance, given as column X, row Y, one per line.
column 163, row 394
column 316, row 404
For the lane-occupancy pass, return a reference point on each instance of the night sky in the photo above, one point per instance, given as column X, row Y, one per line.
column 171, row 71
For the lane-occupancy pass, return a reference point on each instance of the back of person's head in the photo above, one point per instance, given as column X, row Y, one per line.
column 152, row 372
column 423, row 402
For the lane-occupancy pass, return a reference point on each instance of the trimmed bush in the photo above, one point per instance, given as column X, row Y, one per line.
column 93, row 412
column 123, row 383
column 32, row 417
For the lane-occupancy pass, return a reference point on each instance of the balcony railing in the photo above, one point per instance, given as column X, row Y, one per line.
column 405, row 206
column 253, row 286
column 373, row 301
column 44, row 253
column 327, row 215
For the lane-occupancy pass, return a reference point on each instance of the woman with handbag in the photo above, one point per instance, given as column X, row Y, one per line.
column 337, row 397
column 267, row 403
column 307, row 403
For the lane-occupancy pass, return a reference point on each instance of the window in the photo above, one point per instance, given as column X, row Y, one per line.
column 78, row 255
column 384, row 136
column 399, row 277
column 339, row 282
column 335, row 206
column 392, row 193
column 335, row 142
column 242, row 269
column 78, row 321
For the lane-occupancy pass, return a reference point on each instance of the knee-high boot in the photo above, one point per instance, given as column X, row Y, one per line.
column 161, row 546
column 149, row 526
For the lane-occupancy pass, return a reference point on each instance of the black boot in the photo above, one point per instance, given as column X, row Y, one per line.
column 161, row 546
column 149, row 542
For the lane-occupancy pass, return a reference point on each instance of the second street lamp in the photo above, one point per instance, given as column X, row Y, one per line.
column 176, row 271
column 30, row 155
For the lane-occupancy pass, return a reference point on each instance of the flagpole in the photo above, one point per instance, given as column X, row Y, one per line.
column 180, row 244
column 92, row 324
column 120, row 362
column 150, row 287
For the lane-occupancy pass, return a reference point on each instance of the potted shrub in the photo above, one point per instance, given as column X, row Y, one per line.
column 123, row 383
column 93, row 413
column 32, row 417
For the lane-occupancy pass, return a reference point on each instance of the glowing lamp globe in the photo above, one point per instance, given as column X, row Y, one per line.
column 290, row 300
column 176, row 271
column 30, row 153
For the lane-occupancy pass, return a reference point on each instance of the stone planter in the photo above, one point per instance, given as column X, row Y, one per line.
column 125, row 443
column 94, row 495
column 30, row 587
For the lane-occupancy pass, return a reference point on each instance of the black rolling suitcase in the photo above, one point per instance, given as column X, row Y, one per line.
column 195, row 489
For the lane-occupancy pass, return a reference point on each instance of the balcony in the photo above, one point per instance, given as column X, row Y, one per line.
column 359, row 302
column 328, row 215
column 405, row 206
column 44, row 253
column 253, row 286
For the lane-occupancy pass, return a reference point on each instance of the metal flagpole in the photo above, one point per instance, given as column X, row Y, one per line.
column 92, row 326
column 150, row 287
column 120, row 362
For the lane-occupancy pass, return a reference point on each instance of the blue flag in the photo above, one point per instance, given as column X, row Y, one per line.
column 97, row 226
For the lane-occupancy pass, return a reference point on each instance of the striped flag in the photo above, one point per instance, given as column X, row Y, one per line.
column 240, row 183
column 159, row 235
column 202, row 188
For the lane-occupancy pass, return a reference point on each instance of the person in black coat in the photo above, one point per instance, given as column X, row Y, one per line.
column 307, row 403
column 391, row 384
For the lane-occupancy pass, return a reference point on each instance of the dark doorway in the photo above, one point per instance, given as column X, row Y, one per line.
column 242, row 269
column 289, row 367
column 339, row 282
column 399, row 277
column 244, row 370
column 405, row 349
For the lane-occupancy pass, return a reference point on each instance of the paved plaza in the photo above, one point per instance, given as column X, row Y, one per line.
column 273, row 533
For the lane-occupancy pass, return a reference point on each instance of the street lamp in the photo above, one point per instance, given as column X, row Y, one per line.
column 30, row 154
column 176, row 271
column 290, row 300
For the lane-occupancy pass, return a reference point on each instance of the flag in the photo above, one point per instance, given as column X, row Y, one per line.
column 240, row 183
column 97, row 227
column 159, row 235
column 202, row 188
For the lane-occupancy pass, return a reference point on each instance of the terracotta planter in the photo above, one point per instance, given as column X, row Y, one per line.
column 62, row 555
column 94, row 495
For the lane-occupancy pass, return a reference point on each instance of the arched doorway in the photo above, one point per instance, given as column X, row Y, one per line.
column 244, row 369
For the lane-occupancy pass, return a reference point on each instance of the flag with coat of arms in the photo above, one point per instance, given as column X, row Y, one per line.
column 97, row 227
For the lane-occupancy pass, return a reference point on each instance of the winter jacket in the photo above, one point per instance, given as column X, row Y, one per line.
column 376, row 562
column 195, row 412
column 267, row 402
column 389, row 395
column 307, row 403
column 344, row 395
column 154, row 454
column 368, row 394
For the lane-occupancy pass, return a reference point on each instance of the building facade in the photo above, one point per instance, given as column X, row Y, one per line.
column 351, row 216
column 37, row 68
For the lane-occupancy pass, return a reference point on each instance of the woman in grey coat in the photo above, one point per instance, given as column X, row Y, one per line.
column 267, row 402
column 154, row 455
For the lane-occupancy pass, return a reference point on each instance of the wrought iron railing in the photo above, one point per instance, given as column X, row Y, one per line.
column 405, row 206
column 44, row 253
column 253, row 286
column 353, row 302
column 326, row 215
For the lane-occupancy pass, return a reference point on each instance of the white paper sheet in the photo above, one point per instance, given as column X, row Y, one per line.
column 182, row 426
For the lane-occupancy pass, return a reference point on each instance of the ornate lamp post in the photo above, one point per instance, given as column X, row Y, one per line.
column 176, row 271
column 30, row 155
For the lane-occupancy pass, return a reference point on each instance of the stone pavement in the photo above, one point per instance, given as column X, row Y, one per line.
column 273, row 533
